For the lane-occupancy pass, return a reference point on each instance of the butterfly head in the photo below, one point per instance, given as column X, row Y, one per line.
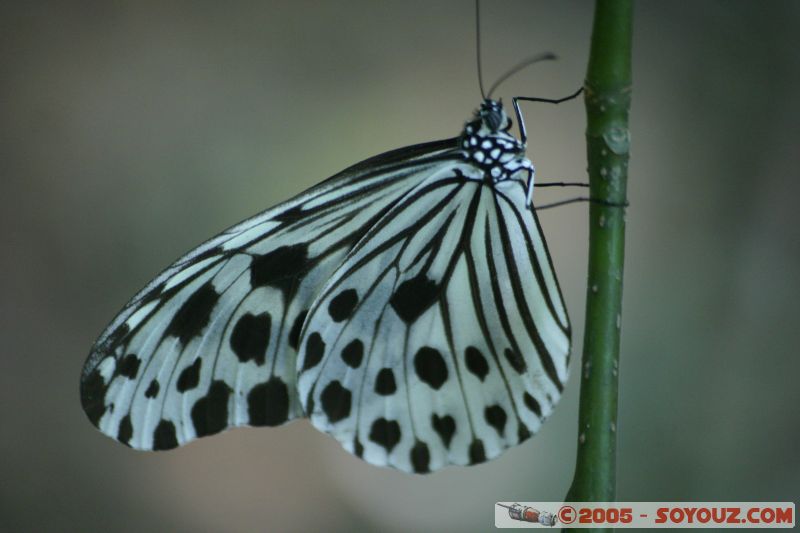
column 492, row 116
column 488, row 143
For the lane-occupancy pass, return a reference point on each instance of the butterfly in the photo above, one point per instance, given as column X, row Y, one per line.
column 407, row 306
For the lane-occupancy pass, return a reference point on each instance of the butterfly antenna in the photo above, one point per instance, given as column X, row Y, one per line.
column 547, row 56
column 478, row 45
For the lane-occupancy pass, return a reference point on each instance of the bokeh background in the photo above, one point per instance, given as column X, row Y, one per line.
column 133, row 130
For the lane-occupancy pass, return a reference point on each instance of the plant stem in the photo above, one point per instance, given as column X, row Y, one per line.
column 607, row 98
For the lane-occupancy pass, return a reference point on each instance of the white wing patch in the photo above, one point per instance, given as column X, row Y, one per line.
column 442, row 339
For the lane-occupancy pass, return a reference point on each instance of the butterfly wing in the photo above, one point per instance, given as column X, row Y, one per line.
column 211, row 342
column 443, row 338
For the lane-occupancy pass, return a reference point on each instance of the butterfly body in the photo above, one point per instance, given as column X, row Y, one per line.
column 489, row 145
column 407, row 306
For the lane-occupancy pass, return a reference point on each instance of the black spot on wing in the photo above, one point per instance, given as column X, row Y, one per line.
column 152, row 389
column 281, row 268
column 420, row 458
column 125, row 431
column 292, row 214
column 532, row 404
column 189, row 376
column 476, row 362
column 93, row 393
column 315, row 349
column 129, row 366
column 193, row 316
column 268, row 403
column 476, row 452
column 445, row 426
column 385, row 384
column 413, row 297
column 297, row 327
column 385, row 433
column 358, row 448
column 164, row 436
column 210, row 413
column 496, row 417
column 430, row 367
column 523, row 433
column 515, row 360
column 353, row 353
column 250, row 338
column 342, row 305
column 336, row 401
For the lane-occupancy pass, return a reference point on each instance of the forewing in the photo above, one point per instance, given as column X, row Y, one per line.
column 443, row 338
column 211, row 342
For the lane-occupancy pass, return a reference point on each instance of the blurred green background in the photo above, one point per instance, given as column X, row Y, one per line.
column 133, row 130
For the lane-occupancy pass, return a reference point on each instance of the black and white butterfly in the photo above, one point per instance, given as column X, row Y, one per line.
column 407, row 306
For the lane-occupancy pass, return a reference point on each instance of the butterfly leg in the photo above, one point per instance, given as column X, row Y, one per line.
column 523, row 136
column 531, row 180
column 597, row 201
column 562, row 184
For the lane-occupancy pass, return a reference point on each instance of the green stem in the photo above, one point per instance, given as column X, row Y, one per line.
column 607, row 98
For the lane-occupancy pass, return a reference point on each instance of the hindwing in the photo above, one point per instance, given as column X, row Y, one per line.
column 442, row 338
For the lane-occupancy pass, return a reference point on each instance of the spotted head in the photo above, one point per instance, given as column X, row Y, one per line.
column 487, row 143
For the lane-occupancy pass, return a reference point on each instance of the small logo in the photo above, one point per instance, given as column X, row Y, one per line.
column 528, row 514
column 644, row 515
column 567, row 514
